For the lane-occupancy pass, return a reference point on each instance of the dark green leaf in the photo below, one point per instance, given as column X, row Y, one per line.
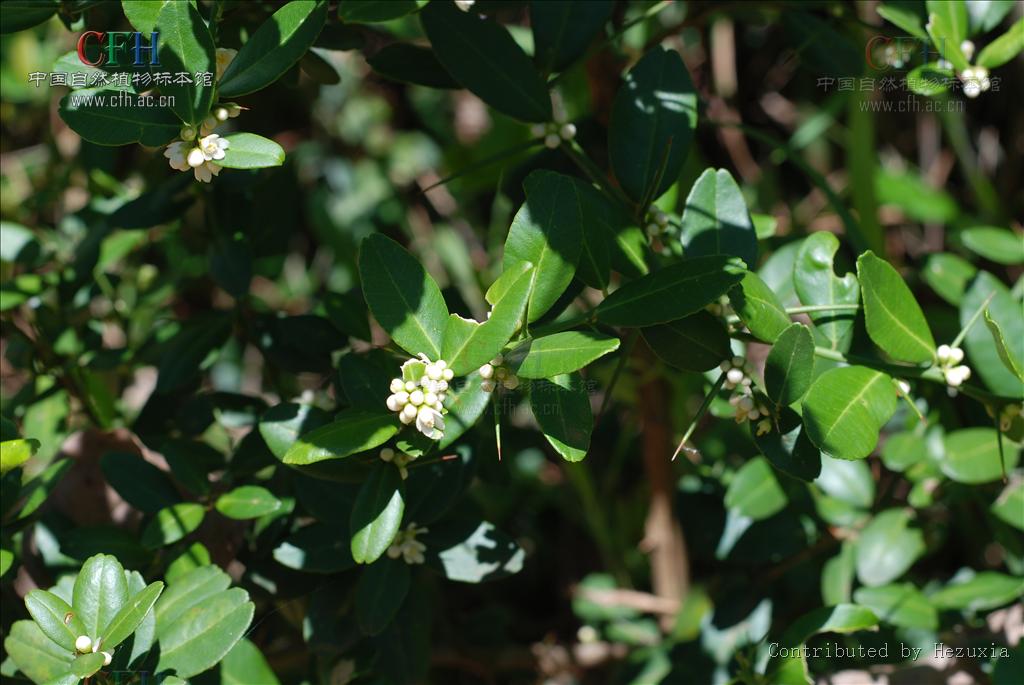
column 759, row 308
column 248, row 502
column 716, row 220
column 141, row 484
column 100, row 592
column 171, row 524
column 559, row 353
column 465, row 405
column 352, row 431
column 131, row 616
column 562, row 31
column 317, row 548
column 561, row 406
column 472, row 551
column 19, row 15
column 754, row 492
column 790, row 365
column 652, row 124
column 972, row 455
column 250, row 151
column 102, row 116
column 379, row 594
column 894, row 320
column 377, row 514
column 888, row 547
column 372, row 11
column 277, row 44
column 204, row 633
column 54, row 617
column 482, row 56
column 845, row 409
column 698, row 342
column 816, row 283
column 411, row 64
column 186, row 45
column 86, row 665
column 788, row 448
column 184, row 354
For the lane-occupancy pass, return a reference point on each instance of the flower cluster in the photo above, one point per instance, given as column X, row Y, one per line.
column 975, row 80
column 737, row 373
column 200, row 156
column 407, row 547
column 657, row 222
column 949, row 361
column 554, row 132
column 401, row 460
column 494, row 373
column 84, row 645
column 419, row 395
column 748, row 408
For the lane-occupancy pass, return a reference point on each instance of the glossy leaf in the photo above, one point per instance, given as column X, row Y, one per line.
column 671, row 293
column 562, row 31
column 1004, row 348
column 204, row 633
column 482, row 56
column 468, row 345
column 972, row 456
column 277, row 44
column 887, row 548
column 351, row 431
column 379, row 594
column 184, row 353
column 250, row 151
column 754, row 492
column 652, row 123
column 14, row 453
column 140, row 483
column 894, row 320
column 372, row 11
column 698, row 342
column 1003, row 49
column 790, row 365
column 172, row 523
column 281, row 425
column 99, row 593
column 559, row 353
column 36, row 655
column 377, row 514
column 131, row 615
column 982, row 351
column 405, row 301
column 243, row 664
column 716, row 220
column 411, row 64
column 842, row 618
column 186, row 45
column 978, row 592
column 816, row 283
column 837, row 576
column 547, row 233
column 19, row 15
column 465, row 406
column 600, row 237
column 86, row 665
column 316, row 548
column 948, row 275
column 845, row 409
column 899, row 604
column 758, row 308
column 997, row 244
column 561, row 406
column 50, row 612
column 105, row 120
column 248, row 502
column 1009, row 506
column 788, row 448
column 472, row 551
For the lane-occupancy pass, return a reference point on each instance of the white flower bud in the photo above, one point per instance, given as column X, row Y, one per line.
column 187, row 133
column 735, row 400
column 737, row 361
column 442, row 385
column 107, row 658
column 405, row 418
column 486, row 371
column 221, row 114
column 397, row 385
column 447, row 375
column 487, row 385
column 393, row 403
column 195, row 158
column 746, row 403
column 430, row 398
column 568, row 131
column 956, row 355
column 416, row 397
column 735, row 376
column 943, row 353
column 434, row 372
column 725, row 366
column 972, row 88
column 967, row 47
column 903, row 386
column 551, row 141
column 409, row 411
column 465, row 5
column 83, row 644
column 753, row 415
column 410, row 386
column 387, row 454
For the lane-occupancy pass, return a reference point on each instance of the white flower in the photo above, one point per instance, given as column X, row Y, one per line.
column 551, row 141
column 430, row 422
column 83, row 644
column 967, row 47
column 107, row 658
column 567, row 131
column 183, row 156
column 213, row 147
column 902, row 387
column 177, row 153
column 737, row 373
column 407, row 547
column 224, row 58
column 493, row 373
column 418, row 396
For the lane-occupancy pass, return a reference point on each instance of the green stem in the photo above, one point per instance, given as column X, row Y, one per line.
column 564, row 325
column 578, row 155
column 810, row 309
column 974, row 318
column 627, row 348
column 700, row 414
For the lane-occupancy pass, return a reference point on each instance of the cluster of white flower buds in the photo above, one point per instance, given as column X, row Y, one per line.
column 657, row 222
column 975, row 80
column 737, row 373
column 84, row 645
column 554, row 132
column 418, row 396
column 407, row 547
column 400, row 460
column 219, row 115
column 949, row 361
column 494, row 373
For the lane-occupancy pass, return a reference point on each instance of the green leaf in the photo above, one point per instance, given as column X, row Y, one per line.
column 816, row 283
column 903, row 450
column 405, row 301
column 653, row 118
column 143, row 14
column 434, row 488
column 191, row 589
column 131, row 616
column 716, row 220
column 377, row 513
column 788, row 448
column 559, row 353
column 1004, row 48
column 972, row 456
column 19, row 15
column 316, row 548
column 997, row 244
column 909, row 16
column 14, row 453
column 245, row 665
column 372, row 11
column 469, row 551
column 140, row 483
column 982, row 351
column 671, row 293
column 698, row 342
column 172, row 523
column 186, row 45
column 281, row 425
column 277, row 44
column 55, row 618
column 847, row 481
column 468, row 345
column 985, row 16
column 411, row 64
column 36, row 655
column 789, row 368
column 1009, row 506
column 947, row 26
column 894, row 320
column 250, row 151
column 99, row 593
column 465, row 406
column 352, row 431
column 204, row 633
column 948, row 275
column 482, row 56
column 899, row 604
column 837, row 575
column 546, row 232
column 845, row 409
column 379, row 594
column 759, row 308
column 561, row 406
column 562, row 31
column 87, row 665
column 184, row 354
column 101, row 116
column 979, row 592
column 600, row 237
column 1006, row 353
column 888, row 547
column 842, row 618
column 754, row 492
column 248, row 502
column 929, row 79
